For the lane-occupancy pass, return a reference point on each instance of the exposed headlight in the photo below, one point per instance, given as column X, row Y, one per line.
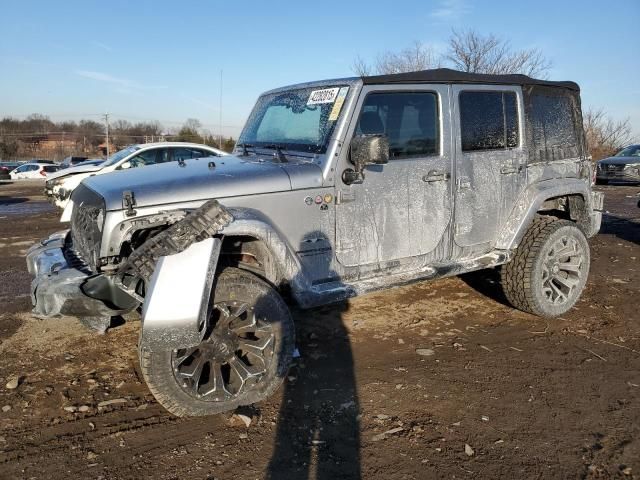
column 632, row 165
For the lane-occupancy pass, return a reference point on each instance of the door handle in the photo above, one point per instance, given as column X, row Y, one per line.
column 436, row 176
column 510, row 169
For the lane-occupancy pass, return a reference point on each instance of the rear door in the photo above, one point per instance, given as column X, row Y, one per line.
column 489, row 161
column 32, row 171
column 403, row 208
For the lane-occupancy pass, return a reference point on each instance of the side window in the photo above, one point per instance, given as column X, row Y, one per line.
column 552, row 122
column 205, row 154
column 33, row 168
column 409, row 119
column 488, row 120
column 145, row 158
column 21, row 169
column 162, row 155
column 183, row 153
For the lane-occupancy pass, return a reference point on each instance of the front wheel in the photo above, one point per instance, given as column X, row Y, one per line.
column 549, row 269
column 243, row 358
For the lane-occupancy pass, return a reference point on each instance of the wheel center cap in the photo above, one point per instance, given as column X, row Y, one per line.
column 221, row 347
column 555, row 269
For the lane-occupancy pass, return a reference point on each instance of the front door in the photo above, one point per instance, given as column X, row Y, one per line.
column 489, row 161
column 403, row 208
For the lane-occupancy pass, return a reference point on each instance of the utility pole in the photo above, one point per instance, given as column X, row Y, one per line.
column 220, row 112
column 106, row 124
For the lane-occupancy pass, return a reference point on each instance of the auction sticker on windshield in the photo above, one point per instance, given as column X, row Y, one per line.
column 335, row 111
column 328, row 95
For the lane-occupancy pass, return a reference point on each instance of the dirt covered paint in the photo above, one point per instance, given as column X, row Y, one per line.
column 531, row 397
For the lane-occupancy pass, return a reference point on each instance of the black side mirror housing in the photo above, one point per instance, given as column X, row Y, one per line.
column 367, row 150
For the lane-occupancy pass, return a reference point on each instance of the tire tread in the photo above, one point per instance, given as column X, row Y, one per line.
column 517, row 274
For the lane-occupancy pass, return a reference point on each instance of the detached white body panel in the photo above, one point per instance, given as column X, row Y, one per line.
column 175, row 310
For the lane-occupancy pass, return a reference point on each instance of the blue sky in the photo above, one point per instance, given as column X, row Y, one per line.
column 162, row 60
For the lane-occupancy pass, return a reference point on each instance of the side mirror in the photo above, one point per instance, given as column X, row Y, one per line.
column 125, row 165
column 366, row 150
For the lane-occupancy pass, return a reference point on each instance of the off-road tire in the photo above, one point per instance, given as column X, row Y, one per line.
column 232, row 284
column 523, row 277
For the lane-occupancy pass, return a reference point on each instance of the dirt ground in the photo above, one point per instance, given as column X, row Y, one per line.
column 496, row 393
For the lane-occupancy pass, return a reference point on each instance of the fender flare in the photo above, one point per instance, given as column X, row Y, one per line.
column 252, row 223
column 530, row 202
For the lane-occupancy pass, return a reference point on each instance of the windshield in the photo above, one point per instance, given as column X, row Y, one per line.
column 299, row 120
column 116, row 157
column 632, row 151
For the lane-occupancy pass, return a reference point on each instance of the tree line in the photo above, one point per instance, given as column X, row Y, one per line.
column 37, row 136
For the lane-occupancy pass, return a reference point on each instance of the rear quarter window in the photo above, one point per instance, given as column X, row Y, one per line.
column 552, row 125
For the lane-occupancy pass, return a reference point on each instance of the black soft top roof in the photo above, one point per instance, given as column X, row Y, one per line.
column 446, row 75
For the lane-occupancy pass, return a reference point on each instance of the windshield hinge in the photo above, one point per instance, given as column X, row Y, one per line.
column 128, row 202
column 279, row 155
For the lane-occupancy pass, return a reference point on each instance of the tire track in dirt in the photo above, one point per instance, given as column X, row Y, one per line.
column 147, row 432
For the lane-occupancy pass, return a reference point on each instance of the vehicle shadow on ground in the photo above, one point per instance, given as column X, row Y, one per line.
column 622, row 228
column 4, row 200
column 487, row 283
column 318, row 430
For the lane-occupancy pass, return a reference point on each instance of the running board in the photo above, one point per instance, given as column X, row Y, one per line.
column 337, row 290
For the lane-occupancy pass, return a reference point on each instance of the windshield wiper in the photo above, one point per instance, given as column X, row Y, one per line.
column 278, row 154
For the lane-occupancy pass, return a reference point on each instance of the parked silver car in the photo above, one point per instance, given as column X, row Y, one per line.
column 336, row 188
column 623, row 166
column 59, row 186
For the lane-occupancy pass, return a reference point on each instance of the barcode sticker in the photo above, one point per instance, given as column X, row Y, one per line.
column 328, row 95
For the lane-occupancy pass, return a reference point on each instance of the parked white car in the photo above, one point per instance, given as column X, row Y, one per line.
column 60, row 185
column 40, row 171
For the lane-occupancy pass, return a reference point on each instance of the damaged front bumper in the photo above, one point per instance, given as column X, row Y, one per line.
column 58, row 286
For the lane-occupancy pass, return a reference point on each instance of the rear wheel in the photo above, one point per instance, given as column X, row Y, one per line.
column 242, row 359
column 549, row 269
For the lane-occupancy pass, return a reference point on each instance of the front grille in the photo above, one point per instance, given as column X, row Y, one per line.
column 612, row 168
column 74, row 258
column 87, row 221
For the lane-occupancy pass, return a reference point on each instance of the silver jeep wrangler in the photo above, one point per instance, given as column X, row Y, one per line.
column 335, row 188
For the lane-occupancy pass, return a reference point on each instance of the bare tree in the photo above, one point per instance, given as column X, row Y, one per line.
column 360, row 67
column 416, row 57
column 604, row 135
column 470, row 51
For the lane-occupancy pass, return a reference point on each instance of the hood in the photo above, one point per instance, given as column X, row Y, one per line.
column 171, row 183
column 620, row 160
column 73, row 170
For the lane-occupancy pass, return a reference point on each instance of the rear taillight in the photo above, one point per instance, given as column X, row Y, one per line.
column 43, row 173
